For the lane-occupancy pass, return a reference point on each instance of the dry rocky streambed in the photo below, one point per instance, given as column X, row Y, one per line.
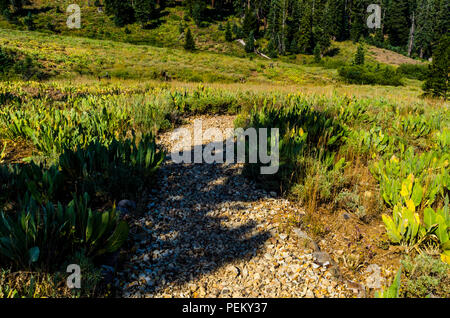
column 210, row 232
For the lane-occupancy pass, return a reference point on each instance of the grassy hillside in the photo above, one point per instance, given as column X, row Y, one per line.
column 65, row 56
column 69, row 57
column 50, row 17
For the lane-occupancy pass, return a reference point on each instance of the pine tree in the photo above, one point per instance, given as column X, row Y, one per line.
column 181, row 27
column 339, row 19
column 379, row 37
column 359, row 56
column 7, row 14
column 273, row 22
column 272, row 49
column 145, row 10
column 250, row 43
column 317, row 53
column 198, row 11
column 306, row 37
column 189, row 43
column 443, row 17
column 122, row 11
column 293, row 47
column 293, row 26
column 397, row 22
column 228, row 33
column 237, row 31
column 358, row 27
column 4, row 5
column 29, row 22
column 436, row 83
column 426, row 11
column 250, row 23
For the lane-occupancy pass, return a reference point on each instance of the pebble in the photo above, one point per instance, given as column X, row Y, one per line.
column 210, row 232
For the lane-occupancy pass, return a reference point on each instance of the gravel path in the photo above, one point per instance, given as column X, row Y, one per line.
column 209, row 232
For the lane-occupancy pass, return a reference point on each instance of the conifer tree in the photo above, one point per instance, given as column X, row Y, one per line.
column 272, row 49
column 17, row 5
column 273, row 21
column 426, row 12
column 397, row 22
column 436, row 83
column 145, row 10
column 228, row 33
column 339, row 19
column 122, row 11
column 293, row 26
column 4, row 5
column 306, row 38
column 250, row 43
column 29, row 22
column 359, row 56
column 317, row 53
column 198, row 12
column 189, row 43
column 358, row 27
column 250, row 23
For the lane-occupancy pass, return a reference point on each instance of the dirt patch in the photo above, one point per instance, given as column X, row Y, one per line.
column 390, row 57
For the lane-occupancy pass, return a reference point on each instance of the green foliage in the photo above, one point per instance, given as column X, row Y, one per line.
column 397, row 24
column 250, row 23
column 304, row 132
column 52, row 131
column 429, row 170
column 13, row 64
column 425, row 276
column 406, row 226
column 228, row 33
column 414, row 71
column 436, row 83
column 317, row 54
column 144, row 10
column 359, row 56
column 393, row 291
column 197, row 10
column 359, row 74
column 29, row 22
column 7, row 59
column 43, row 235
column 122, row 11
column 117, row 169
column 189, row 42
column 250, row 43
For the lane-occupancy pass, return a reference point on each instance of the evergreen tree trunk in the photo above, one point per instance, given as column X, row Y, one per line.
column 411, row 34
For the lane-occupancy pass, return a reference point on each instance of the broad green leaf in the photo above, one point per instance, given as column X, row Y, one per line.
column 429, row 217
column 392, row 231
column 394, row 289
column 33, row 254
column 417, row 194
column 442, row 230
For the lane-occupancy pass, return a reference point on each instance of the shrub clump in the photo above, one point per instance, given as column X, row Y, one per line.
column 366, row 75
column 426, row 276
column 413, row 71
column 14, row 65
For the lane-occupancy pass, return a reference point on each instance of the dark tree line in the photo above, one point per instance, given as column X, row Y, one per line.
column 298, row 26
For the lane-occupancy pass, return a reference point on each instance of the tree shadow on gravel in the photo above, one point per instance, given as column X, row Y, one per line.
column 188, row 235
